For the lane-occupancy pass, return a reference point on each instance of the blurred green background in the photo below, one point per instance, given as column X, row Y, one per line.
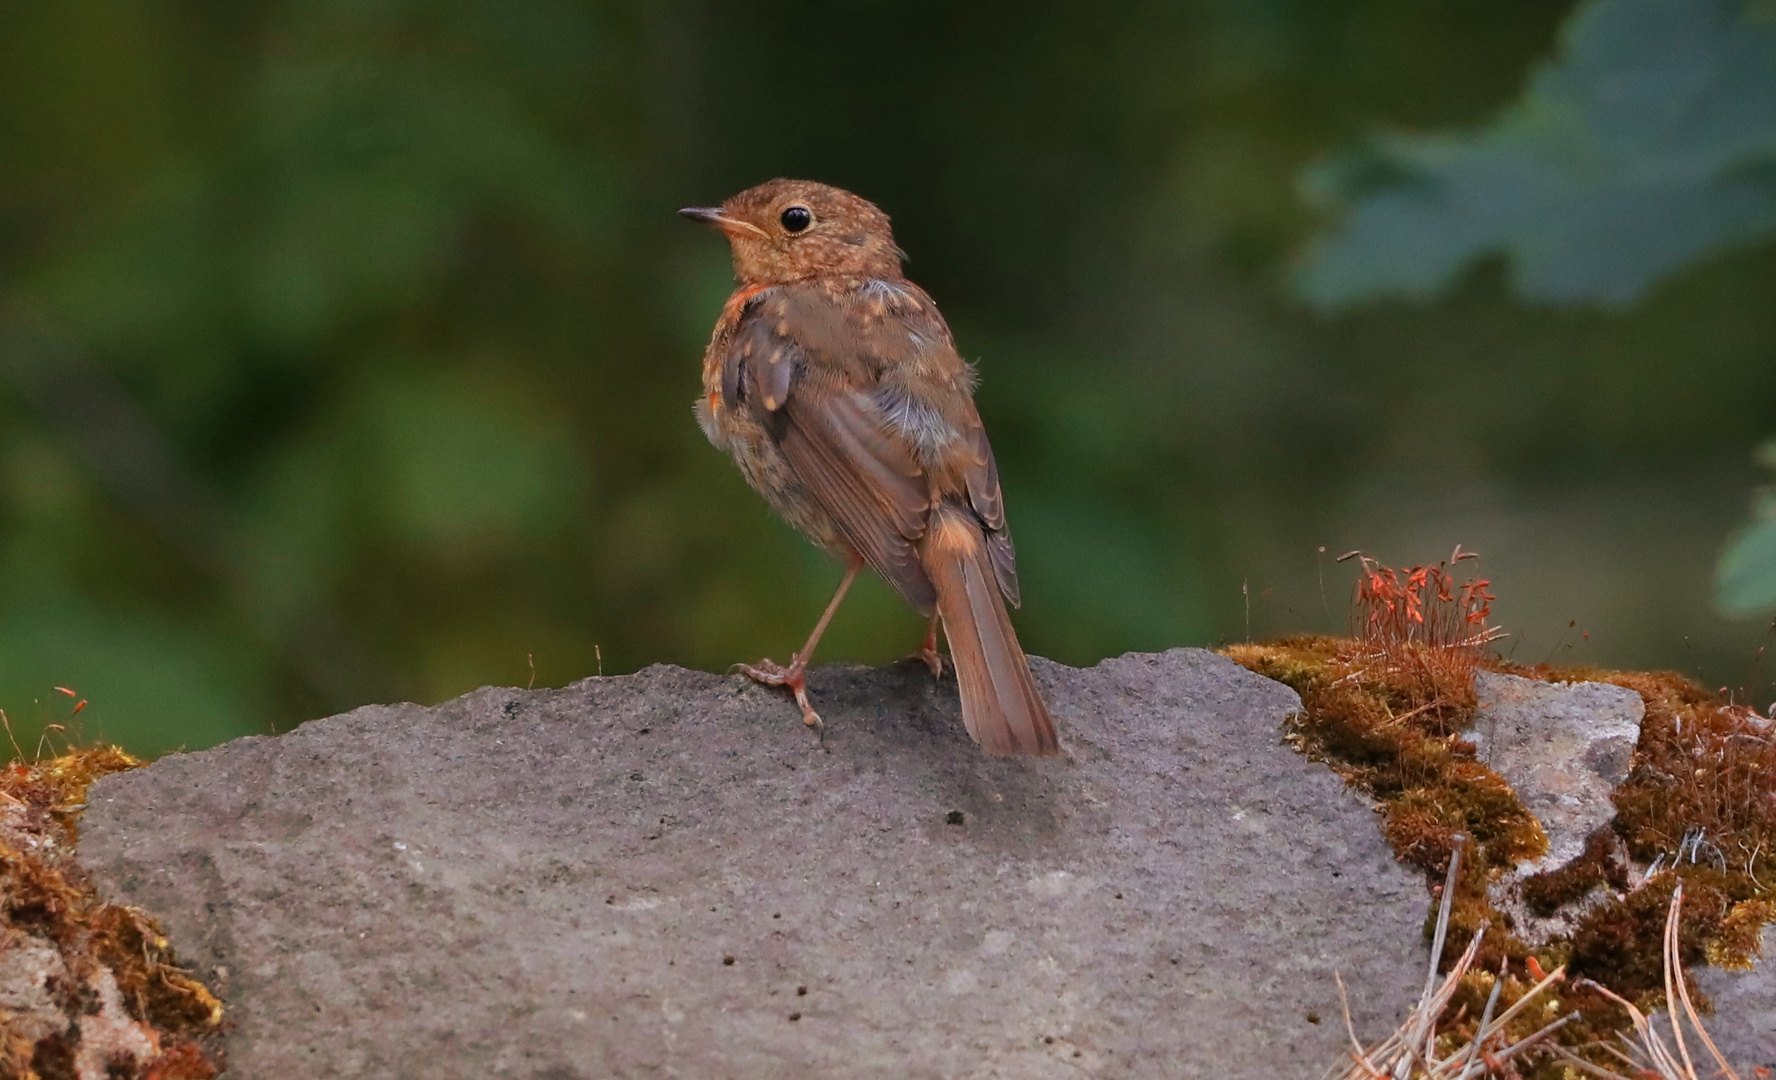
column 347, row 348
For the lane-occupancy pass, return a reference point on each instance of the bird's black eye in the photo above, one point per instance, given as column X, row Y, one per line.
column 796, row 218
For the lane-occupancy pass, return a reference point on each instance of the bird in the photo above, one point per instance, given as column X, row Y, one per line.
column 835, row 384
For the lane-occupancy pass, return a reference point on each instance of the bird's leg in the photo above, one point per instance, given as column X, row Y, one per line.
column 795, row 676
column 927, row 653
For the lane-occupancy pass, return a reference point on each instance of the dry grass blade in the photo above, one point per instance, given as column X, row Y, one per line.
column 1410, row 1053
column 1673, row 964
column 1648, row 1052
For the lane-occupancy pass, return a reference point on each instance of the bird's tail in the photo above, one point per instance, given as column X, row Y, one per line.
column 1000, row 706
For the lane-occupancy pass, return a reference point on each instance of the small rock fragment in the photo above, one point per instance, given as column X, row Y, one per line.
column 27, row 967
column 1563, row 747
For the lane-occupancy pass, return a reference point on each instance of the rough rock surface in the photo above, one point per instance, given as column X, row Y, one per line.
column 663, row 875
column 1562, row 746
column 28, row 969
column 1744, row 1020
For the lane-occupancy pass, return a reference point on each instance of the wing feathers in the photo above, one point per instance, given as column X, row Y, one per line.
column 870, row 487
column 833, row 379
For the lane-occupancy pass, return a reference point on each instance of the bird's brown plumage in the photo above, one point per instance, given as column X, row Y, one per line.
column 836, row 386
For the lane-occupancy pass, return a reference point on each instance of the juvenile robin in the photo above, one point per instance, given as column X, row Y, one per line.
column 834, row 383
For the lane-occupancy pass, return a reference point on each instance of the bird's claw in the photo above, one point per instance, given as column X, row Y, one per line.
column 931, row 658
column 771, row 673
column 795, row 677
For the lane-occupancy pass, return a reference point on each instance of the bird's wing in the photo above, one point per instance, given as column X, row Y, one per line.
column 924, row 370
column 981, row 475
column 926, row 394
column 811, row 386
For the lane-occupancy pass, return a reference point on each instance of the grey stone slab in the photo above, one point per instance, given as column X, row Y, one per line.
column 551, row 883
column 1562, row 746
column 1744, row 1020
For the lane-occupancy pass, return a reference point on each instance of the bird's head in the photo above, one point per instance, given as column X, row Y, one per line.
column 792, row 230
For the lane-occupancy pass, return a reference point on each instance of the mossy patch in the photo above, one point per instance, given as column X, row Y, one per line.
column 1389, row 724
column 1597, row 866
column 1700, row 801
column 1699, row 804
column 105, row 995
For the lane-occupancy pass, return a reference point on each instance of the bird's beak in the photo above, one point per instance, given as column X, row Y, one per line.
column 716, row 216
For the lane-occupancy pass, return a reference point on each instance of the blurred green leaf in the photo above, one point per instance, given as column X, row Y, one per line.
column 293, row 534
column 373, row 169
column 357, row 165
column 456, row 463
column 1650, row 143
column 1745, row 580
column 1099, row 580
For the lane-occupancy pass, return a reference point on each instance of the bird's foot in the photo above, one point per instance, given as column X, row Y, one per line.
column 930, row 657
column 927, row 653
column 795, row 677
